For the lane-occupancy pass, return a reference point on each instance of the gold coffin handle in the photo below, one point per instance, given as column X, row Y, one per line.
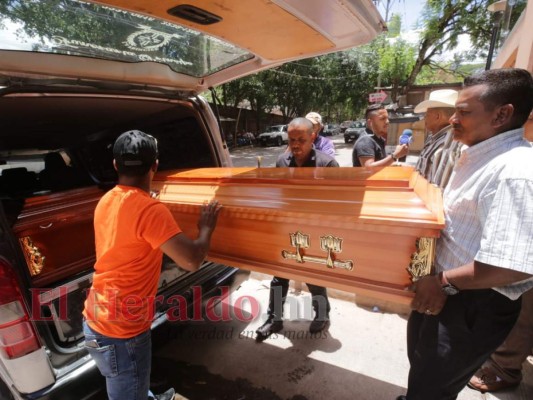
column 329, row 243
column 33, row 255
column 422, row 261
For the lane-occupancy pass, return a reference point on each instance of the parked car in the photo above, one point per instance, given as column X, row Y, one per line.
column 245, row 139
column 355, row 130
column 275, row 135
column 73, row 76
column 345, row 125
column 331, row 130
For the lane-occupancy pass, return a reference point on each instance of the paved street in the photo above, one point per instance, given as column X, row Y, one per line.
column 361, row 357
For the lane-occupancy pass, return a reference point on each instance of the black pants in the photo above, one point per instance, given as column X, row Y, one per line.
column 445, row 350
column 278, row 293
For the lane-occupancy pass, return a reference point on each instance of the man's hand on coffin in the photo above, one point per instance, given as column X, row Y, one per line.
column 429, row 297
column 189, row 254
column 209, row 216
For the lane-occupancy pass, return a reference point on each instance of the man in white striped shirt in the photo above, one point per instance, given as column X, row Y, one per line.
column 484, row 258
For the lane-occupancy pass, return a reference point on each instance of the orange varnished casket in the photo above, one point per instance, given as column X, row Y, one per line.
column 365, row 231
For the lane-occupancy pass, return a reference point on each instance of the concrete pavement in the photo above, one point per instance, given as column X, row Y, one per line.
column 362, row 356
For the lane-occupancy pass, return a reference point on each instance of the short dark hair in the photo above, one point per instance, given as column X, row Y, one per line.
column 373, row 108
column 135, row 152
column 506, row 86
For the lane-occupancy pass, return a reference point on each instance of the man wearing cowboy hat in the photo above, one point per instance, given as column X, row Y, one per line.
column 437, row 157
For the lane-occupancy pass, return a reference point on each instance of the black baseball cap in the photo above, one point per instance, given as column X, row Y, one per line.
column 135, row 152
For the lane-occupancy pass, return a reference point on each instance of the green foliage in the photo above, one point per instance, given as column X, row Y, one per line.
column 335, row 85
column 397, row 58
column 395, row 25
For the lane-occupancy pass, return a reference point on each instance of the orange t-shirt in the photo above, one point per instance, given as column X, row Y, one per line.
column 129, row 227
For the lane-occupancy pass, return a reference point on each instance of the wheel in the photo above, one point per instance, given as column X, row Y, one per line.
column 5, row 393
column 346, row 140
column 279, row 141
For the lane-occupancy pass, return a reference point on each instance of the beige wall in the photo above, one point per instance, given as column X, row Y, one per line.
column 419, row 134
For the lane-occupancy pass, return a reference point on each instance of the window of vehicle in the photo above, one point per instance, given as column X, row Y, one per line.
column 277, row 128
column 86, row 29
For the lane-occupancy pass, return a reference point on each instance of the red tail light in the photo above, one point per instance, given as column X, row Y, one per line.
column 17, row 336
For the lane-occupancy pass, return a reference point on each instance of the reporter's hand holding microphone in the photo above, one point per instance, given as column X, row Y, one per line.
column 401, row 151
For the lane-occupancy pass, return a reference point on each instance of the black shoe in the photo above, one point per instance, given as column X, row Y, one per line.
column 318, row 325
column 168, row 395
column 401, row 398
column 268, row 328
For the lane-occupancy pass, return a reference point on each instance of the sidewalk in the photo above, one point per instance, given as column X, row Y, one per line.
column 361, row 357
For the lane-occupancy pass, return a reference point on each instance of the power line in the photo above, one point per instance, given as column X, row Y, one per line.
column 316, row 78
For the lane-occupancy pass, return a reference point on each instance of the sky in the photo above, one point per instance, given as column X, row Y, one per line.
column 410, row 11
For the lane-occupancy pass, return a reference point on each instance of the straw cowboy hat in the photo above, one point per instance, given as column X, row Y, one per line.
column 438, row 98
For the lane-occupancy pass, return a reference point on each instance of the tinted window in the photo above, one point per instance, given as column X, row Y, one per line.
column 181, row 143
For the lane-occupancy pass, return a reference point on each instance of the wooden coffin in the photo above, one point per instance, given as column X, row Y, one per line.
column 56, row 234
column 352, row 229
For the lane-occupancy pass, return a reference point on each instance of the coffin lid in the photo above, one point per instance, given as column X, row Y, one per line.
column 388, row 196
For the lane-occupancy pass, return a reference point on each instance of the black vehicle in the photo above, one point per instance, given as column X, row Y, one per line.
column 354, row 131
column 331, row 130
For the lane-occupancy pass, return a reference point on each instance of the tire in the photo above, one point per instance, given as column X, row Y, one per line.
column 279, row 141
column 5, row 393
column 346, row 140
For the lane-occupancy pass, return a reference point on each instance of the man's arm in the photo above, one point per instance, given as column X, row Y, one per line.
column 189, row 254
column 475, row 275
column 399, row 151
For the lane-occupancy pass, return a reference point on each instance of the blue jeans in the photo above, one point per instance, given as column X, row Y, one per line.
column 125, row 363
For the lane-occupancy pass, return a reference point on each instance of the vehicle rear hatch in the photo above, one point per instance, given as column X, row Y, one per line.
column 172, row 44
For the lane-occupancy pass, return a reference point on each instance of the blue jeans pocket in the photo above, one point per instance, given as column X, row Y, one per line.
column 105, row 359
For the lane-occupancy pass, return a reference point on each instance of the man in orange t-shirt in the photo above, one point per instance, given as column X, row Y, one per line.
column 132, row 231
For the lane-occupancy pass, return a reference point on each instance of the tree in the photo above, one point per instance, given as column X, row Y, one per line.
column 444, row 21
column 387, row 6
column 335, row 85
column 397, row 58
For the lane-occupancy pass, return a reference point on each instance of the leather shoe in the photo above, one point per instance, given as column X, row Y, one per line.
column 485, row 380
column 401, row 398
column 318, row 325
column 268, row 328
column 168, row 395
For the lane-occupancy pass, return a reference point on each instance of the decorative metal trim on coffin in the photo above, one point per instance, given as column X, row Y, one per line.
column 34, row 258
column 422, row 261
column 330, row 244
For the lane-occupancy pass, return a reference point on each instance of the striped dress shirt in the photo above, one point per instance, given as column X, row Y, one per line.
column 488, row 206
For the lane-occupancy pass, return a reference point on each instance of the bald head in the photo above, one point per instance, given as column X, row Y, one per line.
column 301, row 138
column 301, row 124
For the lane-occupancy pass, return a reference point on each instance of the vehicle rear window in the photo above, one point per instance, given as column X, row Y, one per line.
column 91, row 30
